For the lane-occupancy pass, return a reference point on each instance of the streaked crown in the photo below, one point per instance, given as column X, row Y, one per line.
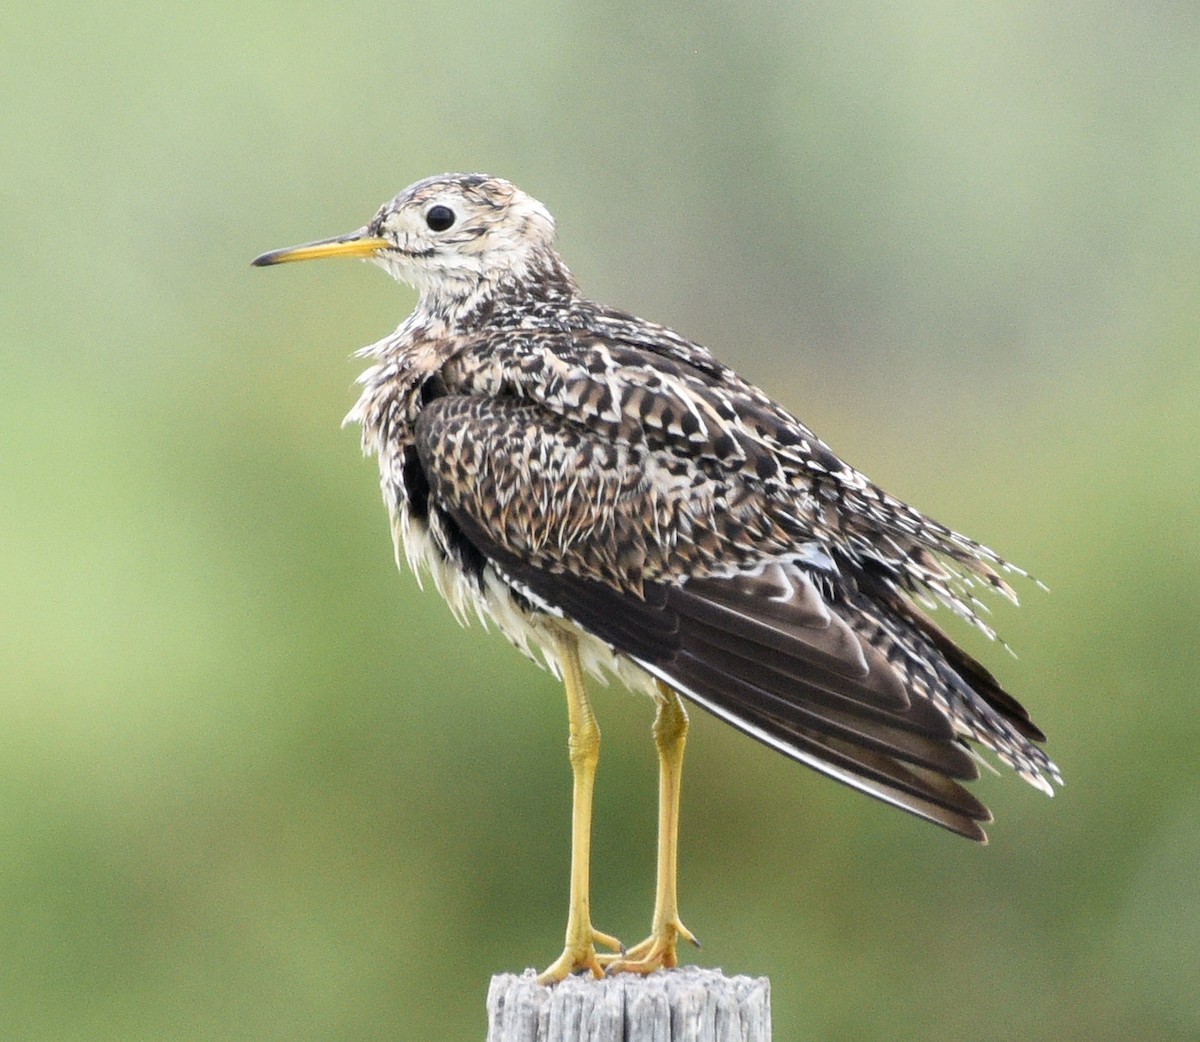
column 454, row 237
column 462, row 228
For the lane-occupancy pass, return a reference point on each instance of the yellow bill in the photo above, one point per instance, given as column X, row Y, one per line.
column 357, row 244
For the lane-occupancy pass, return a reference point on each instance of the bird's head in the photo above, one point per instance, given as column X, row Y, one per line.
column 448, row 236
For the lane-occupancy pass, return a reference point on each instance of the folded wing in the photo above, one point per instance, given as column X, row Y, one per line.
column 786, row 648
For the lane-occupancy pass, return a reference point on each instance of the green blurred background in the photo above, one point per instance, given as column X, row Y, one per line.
column 253, row 785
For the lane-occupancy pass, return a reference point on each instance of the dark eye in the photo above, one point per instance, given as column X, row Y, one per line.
column 439, row 218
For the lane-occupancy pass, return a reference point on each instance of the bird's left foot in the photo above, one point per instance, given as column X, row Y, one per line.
column 656, row 952
column 580, row 955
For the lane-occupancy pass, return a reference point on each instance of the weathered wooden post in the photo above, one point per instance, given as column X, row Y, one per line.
column 689, row 1004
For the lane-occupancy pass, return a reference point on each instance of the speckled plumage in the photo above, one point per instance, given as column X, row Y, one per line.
column 556, row 464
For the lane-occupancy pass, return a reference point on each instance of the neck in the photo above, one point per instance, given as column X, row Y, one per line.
column 464, row 304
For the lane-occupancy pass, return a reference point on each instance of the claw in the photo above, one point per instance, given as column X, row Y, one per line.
column 656, row 952
column 581, row 955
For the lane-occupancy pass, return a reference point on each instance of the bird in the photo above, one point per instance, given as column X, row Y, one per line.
column 619, row 503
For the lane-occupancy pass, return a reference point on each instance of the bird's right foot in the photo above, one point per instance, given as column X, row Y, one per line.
column 656, row 952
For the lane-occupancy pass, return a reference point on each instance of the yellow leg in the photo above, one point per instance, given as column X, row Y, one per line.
column 583, row 746
column 659, row 949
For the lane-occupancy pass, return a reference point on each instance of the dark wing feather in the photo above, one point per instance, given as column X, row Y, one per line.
column 553, row 510
column 632, row 381
column 650, row 634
